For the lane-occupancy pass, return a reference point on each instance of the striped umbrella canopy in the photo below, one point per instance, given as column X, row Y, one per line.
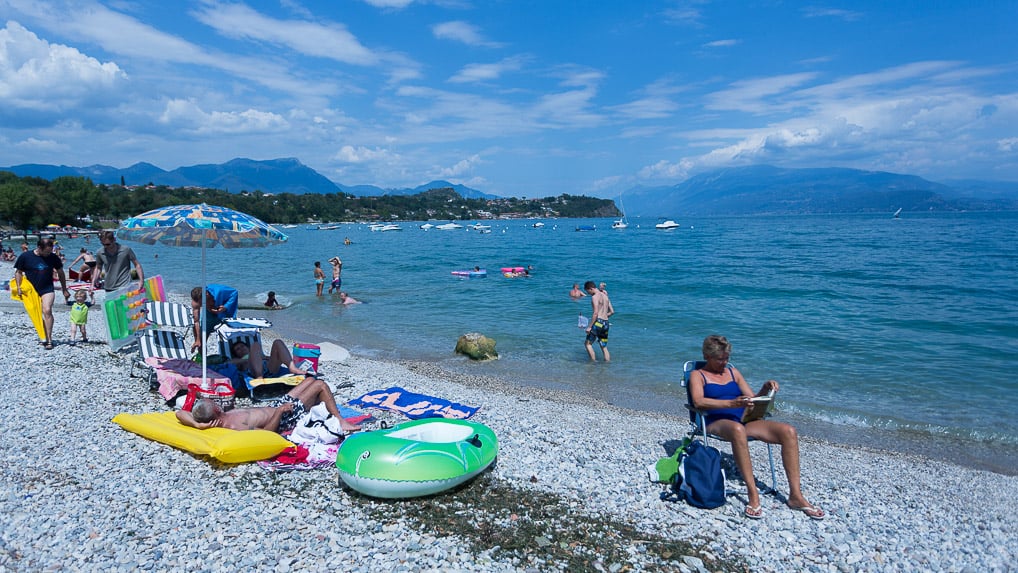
column 202, row 226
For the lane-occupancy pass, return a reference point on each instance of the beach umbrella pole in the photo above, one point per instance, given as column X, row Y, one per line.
column 204, row 319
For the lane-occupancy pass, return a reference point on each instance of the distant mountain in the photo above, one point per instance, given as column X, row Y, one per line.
column 761, row 189
column 272, row 176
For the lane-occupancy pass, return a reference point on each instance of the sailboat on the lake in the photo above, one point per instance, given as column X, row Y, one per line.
column 897, row 214
column 623, row 222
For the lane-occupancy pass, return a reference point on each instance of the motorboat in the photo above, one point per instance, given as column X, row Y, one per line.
column 449, row 226
column 386, row 227
column 538, row 225
column 427, row 226
column 480, row 227
column 586, row 227
column 666, row 225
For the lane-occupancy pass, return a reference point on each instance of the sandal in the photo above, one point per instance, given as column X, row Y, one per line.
column 811, row 511
column 754, row 511
column 48, row 345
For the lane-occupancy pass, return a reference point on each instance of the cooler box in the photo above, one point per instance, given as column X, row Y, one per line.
column 309, row 352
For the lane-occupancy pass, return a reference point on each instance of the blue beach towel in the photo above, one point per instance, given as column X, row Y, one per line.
column 412, row 405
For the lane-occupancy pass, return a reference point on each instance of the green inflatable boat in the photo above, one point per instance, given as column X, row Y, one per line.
column 416, row 458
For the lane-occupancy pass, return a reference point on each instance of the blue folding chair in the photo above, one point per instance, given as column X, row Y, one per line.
column 699, row 427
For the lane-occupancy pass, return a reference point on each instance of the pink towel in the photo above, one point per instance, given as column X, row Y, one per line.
column 174, row 374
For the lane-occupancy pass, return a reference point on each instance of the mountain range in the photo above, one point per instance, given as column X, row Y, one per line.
column 757, row 189
column 286, row 175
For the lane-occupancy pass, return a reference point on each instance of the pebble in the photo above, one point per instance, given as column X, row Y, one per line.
column 79, row 493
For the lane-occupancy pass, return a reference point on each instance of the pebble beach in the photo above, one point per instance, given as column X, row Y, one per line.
column 78, row 493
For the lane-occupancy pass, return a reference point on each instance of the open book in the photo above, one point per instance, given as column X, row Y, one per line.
column 762, row 406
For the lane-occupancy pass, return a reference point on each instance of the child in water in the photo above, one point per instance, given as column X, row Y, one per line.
column 271, row 302
column 79, row 313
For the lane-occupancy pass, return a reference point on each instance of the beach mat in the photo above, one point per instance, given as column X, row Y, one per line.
column 412, row 405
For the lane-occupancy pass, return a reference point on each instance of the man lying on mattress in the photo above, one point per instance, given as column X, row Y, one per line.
column 280, row 417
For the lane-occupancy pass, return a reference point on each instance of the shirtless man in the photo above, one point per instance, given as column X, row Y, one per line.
column 337, row 267
column 281, row 416
column 576, row 292
column 347, row 299
column 597, row 330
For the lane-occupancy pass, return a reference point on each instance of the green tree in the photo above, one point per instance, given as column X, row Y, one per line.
column 17, row 203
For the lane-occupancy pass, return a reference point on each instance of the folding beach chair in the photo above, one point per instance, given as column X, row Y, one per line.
column 164, row 338
column 699, row 427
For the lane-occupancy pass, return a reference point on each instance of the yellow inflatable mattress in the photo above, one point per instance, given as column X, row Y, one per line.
column 229, row 446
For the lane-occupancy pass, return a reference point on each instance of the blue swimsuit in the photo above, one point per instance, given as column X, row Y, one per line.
column 726, row 391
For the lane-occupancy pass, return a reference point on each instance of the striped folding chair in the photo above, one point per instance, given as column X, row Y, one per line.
column 169, row 324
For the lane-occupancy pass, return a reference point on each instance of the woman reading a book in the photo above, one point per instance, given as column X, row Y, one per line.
column 729, row 405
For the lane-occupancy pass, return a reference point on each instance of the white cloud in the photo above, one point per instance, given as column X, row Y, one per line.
column 486, row 72
column 359, row 154
column 121, row 34
column 816, row 12
column 186, row 115
column 38, row 75
column 656, row 102
column 40, row 145
column 1008, row 144
column 751, row 95
column 396, row 4
column 331, row 41
column 461, row 167
column 459, row 31
column 721, row 44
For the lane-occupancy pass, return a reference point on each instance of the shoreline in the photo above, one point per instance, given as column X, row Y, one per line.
column 84, row 494
column 980, row 455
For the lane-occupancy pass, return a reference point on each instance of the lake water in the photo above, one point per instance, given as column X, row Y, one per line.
column 901, row 334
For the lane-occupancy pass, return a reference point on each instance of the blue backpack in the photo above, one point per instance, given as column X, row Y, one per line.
column 701, row 481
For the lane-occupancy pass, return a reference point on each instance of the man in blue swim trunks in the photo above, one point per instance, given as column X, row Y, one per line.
column 597, row 329
column 280, row 416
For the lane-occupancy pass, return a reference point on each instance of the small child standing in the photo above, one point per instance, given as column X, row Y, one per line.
column 79, row 312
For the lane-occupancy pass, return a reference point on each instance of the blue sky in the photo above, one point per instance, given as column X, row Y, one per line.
column 525, row 98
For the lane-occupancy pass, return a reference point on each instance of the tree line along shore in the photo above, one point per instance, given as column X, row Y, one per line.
column 33, row 202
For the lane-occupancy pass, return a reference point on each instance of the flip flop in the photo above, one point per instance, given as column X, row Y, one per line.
column 754, row 512
column 811, row 512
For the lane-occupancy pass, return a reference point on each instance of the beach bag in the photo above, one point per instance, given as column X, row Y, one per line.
column 307, row 352
column 221, row 393
column 701, row 481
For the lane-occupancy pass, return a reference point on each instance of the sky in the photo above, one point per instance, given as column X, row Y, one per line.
column 515, row 98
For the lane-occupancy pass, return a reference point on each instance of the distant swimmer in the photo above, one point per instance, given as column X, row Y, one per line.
column 347, row 241
column 347, row 299
column 576, row 292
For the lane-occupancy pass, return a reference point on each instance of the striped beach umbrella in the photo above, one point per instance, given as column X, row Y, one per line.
column 202, row 226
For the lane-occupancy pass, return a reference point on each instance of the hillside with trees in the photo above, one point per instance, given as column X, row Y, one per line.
column 33, row 202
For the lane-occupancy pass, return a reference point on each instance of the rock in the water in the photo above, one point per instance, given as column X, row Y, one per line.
column 476, row 346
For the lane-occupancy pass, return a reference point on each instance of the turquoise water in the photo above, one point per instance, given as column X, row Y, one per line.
column 897, row 333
